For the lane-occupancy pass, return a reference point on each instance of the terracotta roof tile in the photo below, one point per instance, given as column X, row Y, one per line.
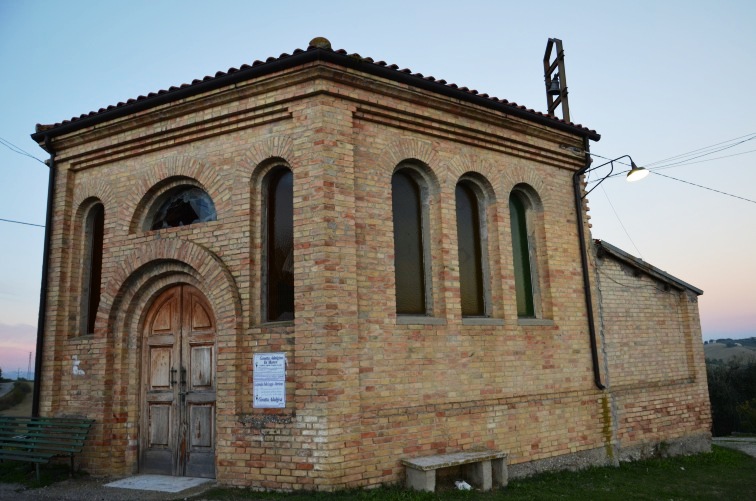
column 142, row 99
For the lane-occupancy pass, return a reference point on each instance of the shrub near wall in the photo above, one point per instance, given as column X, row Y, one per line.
column 732, row 392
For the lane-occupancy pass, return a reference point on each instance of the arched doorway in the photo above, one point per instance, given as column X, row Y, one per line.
column 177, row 434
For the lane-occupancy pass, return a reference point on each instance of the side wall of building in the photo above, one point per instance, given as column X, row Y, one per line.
column 654, row 356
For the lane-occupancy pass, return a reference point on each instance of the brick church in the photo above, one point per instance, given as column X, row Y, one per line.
column 297, row 273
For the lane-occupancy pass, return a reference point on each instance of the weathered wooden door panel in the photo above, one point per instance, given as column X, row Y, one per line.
column 178, row 404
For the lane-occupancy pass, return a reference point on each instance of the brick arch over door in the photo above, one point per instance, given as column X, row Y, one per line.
column 142, row 276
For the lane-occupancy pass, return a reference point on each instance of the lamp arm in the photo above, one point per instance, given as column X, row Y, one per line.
column 610, row 162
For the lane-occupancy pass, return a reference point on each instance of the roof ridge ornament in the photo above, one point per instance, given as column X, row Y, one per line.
column 320, row 43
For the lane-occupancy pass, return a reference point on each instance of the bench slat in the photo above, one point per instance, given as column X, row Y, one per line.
column 38, row 440
column 452, row 459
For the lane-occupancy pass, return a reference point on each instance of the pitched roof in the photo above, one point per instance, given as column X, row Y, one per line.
column 606, row 248
column 318, row 50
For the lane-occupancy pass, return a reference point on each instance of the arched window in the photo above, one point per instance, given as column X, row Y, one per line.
column 94, row 229
column 411, row 260
column 471, row 245
column 279, row 245
column 182, row 206
column 523, row 255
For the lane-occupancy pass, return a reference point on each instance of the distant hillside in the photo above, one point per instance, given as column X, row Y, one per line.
column 726, row 350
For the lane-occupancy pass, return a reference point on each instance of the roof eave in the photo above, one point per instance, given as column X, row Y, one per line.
column 304, row 57
column 645, row 267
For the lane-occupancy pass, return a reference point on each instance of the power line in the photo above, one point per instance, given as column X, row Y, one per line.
column 16, row 149
column 700, row 161
column 701, row 155
column 21, row 222
column 705, row 187
column 750, row 136
column 620, row 222
column 686, row 161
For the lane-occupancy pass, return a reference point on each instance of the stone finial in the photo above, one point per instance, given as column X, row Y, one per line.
column 320, row 43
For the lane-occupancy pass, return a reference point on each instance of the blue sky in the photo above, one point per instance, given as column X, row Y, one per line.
column 656, row 79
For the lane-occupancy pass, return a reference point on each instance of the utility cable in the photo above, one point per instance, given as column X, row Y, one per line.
column 750, row 136
column 21, row 222
column 686, row 161
column 16, row 149
column 705, row 187
column 620, row 222
column 700, row 161
column 701, row 155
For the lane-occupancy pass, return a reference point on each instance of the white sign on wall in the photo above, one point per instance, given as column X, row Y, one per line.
column 269, row 381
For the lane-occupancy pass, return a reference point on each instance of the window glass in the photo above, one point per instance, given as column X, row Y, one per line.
column 469, row 248
column 408, row 245
column 94, row 232
column 183, row 206
column 521, row 256
column 280, row 246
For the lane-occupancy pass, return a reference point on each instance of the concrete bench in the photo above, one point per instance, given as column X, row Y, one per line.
column 482, row 469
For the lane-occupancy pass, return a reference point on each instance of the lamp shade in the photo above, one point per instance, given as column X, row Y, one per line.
column 636, row 173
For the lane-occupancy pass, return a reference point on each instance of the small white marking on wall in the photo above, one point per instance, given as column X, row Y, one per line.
column 76, row 370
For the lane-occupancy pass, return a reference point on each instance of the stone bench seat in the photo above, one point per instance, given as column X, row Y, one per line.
column 482, row 469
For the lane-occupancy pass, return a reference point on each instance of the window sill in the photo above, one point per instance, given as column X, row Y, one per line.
column 535, row 322
column 81, row 339
column 419, row 320
column 280, row 323
column 482, row 321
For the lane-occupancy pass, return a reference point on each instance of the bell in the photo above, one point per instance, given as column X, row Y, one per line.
column 553, row 88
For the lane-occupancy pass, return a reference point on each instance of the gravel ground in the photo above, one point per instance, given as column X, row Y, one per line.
column 93, row 489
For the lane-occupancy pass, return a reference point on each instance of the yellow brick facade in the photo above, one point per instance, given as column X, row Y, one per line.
column 364, row 388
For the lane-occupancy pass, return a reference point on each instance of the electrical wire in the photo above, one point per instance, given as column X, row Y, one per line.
column 21, row 222
column 705, row 187
column 620, row 222
column 701, row 161
column 686, row 161
column 750, row 136
column 701, row 155
column 16, row 149
column 653, row 170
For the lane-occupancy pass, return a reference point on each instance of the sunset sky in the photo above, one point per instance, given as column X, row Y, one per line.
column 656, row 79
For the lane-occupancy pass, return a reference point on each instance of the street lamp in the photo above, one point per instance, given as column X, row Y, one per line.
column 636, row 173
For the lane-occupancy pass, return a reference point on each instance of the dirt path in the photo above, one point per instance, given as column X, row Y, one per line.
column 745, row 444
column 22, row 409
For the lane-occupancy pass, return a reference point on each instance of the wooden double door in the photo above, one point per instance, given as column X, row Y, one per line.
column 177, row 435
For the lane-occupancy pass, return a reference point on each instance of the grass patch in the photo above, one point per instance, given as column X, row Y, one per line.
column 721, row 474
column 18, row 472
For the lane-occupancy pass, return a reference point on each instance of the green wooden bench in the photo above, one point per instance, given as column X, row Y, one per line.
column 39, row 439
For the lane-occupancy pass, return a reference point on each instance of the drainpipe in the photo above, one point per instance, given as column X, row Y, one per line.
column 584, row 261
column 43, row 287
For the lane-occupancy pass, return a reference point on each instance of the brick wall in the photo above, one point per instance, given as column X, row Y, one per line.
column 654, row 358
column 364, row 388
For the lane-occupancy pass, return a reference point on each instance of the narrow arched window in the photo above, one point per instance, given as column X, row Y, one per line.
column 94, row 229
column 182, row 206
column 472, row 276
column 279, row 248
column 523, row 259
column 409, row 253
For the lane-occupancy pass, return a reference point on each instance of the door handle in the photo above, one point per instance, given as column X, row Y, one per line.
column 173, row 377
